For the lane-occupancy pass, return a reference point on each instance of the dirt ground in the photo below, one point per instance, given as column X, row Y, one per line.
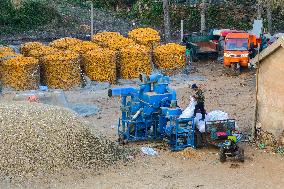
column 195, row 168
column 201, row 169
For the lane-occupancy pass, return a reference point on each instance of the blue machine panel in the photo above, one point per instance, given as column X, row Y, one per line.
column 150, row 113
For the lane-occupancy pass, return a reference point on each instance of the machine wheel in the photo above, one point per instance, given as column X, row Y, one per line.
column 222, row 155
column 241, row 155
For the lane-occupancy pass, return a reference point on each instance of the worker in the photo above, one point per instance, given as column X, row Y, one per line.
column 199, row 97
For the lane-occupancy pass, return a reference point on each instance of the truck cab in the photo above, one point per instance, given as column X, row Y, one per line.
column 239, row 48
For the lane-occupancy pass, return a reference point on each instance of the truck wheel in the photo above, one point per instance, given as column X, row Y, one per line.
column 222, row 156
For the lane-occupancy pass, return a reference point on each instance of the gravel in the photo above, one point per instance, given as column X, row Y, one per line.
column 36, row 139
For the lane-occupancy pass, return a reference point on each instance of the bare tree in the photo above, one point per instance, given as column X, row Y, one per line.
column 203, row 16
column 167, row 20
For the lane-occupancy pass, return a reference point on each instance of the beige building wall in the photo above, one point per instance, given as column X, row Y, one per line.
column 271, row 93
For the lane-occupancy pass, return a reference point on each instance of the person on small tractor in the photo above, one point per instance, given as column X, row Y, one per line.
column 229, row 148
column 199, row 97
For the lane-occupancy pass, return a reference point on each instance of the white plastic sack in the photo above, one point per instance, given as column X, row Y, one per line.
column 149, row 151
column 189, row 111
column 217, row 115
column 200, row 124
column 211, row 116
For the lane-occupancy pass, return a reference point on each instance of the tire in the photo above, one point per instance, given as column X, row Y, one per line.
column 222, row 156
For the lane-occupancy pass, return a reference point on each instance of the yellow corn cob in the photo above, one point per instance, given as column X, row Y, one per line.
column 20, row 73
column 169, row 56
column 84, row 46
column 61, row 70
column 64, row 43
column 27, row 47
column 145, row 36
column 100, row 65
column 42, row 51
column 8, row 55
column 112, row 40
column 134, row 59
column 6, row 49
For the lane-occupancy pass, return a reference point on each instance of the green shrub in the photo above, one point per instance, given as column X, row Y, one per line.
column 29, row 15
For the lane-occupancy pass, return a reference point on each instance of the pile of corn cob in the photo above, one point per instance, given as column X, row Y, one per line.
column 170, row 56
column 64, row 43
column 145, row 36
column 6, row 49
column 112, row 40
column 134, row 59
column 20, row 73
column 61, row 70
column 27, row 47
column 42, row 51
column 100, row 65
column 84, row 47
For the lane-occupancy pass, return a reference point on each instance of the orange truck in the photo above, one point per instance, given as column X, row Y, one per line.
column 238, row 49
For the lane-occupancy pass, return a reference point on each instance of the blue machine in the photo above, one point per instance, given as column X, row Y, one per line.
column 150, row 112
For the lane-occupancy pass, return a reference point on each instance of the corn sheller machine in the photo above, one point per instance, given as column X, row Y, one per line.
column 151, row 112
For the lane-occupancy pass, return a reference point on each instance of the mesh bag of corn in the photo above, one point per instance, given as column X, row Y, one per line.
column 6, row 49
column 84, row 46
column 61, row 70
column 134, row 59
column 112, row 40
column 169, row 56
column 64, row 43
column 42, row 51
column 20, row 73
column 27, row 47
column 4, row 55
column 100, row 65
column 145, row 36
